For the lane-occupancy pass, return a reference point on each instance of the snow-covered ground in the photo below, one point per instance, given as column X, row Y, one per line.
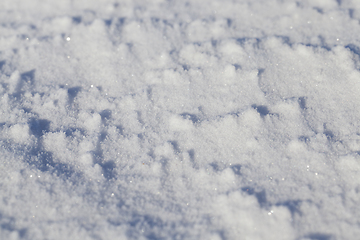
column 180, row 119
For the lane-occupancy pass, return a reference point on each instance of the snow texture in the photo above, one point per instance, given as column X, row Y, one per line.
column 175, row 119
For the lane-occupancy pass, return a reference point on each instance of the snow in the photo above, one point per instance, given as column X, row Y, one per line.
column 179, row 119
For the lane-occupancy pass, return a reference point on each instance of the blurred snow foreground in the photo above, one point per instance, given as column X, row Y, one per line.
column 180, row 119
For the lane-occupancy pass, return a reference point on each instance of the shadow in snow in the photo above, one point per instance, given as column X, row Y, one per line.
column 107, row 167
column 26, row 80
column 302, row 103
column 164, row 166
column 254, row 41
column 8, row 224
column 38, row 127
column 191, row 153
column 285, row 40
column 105, row 116
column 354, row 49
column 28, row 76
column 319, row 236
column 329, row 134
column 121, row 129
column 139, row 117
column 2, row 63
column 175, row 146
column 237, row 66
column 260, row 72
column 305, row 139
column 323, row 45
column 236, row 169
column 108, row 22
column 185, row 67
column 76, row 20
column 292, row 205
column 39, row 157
column 263, row 110
column 261, row 83
column 260, row 196
column 120, row 22
column 149, row 93
column 71, row 132
column 229, row 22
column 192, row 117
column 214, row 43
column 147, row 226
column 215, row 166
column 72, row 93
column 319, row 10
column 351, row 13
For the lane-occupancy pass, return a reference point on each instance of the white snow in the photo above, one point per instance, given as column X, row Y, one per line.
column 180, row 119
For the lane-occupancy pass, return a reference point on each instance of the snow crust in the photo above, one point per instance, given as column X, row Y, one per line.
column 180, row 119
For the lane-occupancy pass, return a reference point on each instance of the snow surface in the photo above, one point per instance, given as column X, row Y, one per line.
column 180, row 119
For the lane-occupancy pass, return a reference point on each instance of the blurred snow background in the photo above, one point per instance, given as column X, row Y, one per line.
column 180, row 119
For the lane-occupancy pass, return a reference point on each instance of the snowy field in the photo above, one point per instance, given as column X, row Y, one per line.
column 174, row 119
